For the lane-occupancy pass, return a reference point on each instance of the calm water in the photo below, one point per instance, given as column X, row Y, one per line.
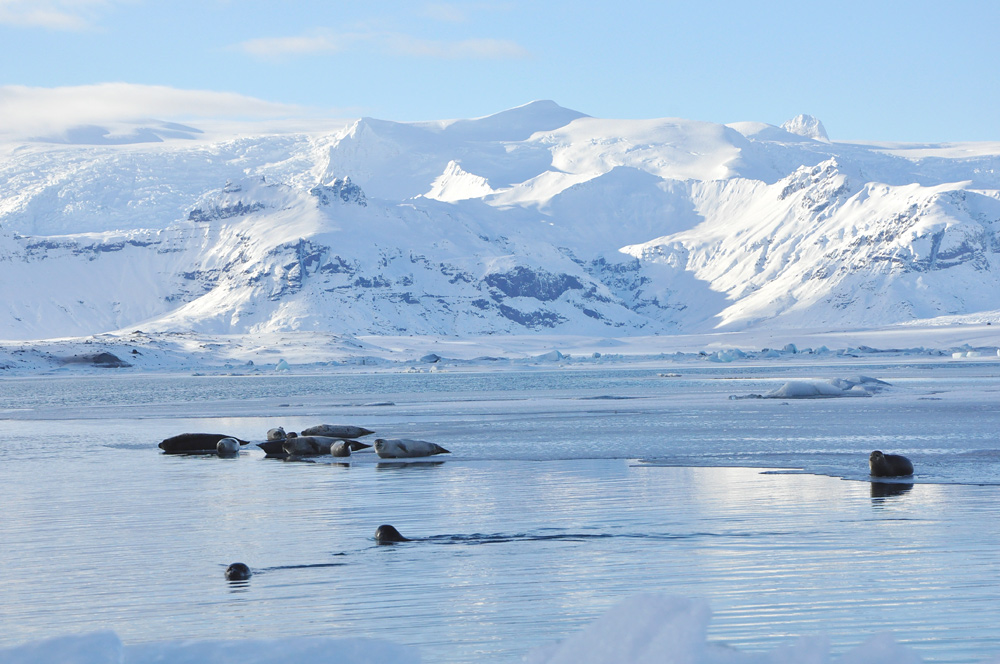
column 566, row 492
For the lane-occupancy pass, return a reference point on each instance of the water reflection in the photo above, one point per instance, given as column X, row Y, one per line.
column 882, row 490
column 400, row 465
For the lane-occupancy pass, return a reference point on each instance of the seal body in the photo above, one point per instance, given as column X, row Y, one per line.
column 238, row 572
column 406, row 448
column 227, row 447
column 387, row 534
column 889, row 465
column 307, row 445
column 337, row 431
column 340, row 448
column 195, row 442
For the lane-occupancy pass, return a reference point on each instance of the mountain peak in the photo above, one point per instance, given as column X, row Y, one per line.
column 808, row 126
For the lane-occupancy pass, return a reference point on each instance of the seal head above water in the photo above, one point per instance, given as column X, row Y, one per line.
column 889, row 465
column 238, row 572
column 386, row 534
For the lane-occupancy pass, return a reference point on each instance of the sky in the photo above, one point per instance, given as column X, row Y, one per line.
column 879, row 70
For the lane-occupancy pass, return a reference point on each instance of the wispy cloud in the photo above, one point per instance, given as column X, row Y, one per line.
column 323, row 42
column 30, row 111
column 276, row 47
column 488, row 49
column 69, row 15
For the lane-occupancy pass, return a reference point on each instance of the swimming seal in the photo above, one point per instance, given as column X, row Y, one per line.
column 238, row 572
column 406, row 448
column 190, row 443
column 337, row 431
column 387, row 534
column 227, row 447
column 889, row 465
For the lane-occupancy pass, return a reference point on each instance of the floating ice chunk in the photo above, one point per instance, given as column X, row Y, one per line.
column 807, row 389
column 857, row 386
column 282, row 366
column 648, row 629
column 106, row 648
column 96, row 648
column 551, row 356
column 727, row 355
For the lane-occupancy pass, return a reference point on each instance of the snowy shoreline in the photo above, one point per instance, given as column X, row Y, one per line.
column 314, row 352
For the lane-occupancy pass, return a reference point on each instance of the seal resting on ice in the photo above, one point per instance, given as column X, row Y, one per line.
column 277, row 433
column 316, row 445
column 889, row 465
column 406, row 448
column 387, row 534
column 195, row 442
column 336, row 431
column 227, row 447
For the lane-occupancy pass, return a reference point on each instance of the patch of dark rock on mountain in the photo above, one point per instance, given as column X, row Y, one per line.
column 538, row 284
column 342, row 190
column 238, row 209
column 103, row 360
column 534, row 319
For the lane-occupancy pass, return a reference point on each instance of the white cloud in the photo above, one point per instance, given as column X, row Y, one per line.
column 271, row 47
column 488, row 49
column 71, row 15
column 326, row 42
column 31, row 111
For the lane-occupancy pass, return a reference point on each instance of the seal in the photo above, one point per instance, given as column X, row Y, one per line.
column 277, row 433
column 406, row 448
column 386, row 534
column 227, row 447
column 193, row 443
column 238, row 572
column 889, row 465
column 315, row 445
column 340, row 448
column 337, row 431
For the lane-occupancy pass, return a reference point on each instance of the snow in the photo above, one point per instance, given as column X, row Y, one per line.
column 642, row 629
column 107, row 648
column 652, row 226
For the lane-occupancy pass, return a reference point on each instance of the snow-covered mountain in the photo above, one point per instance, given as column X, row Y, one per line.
column 538, row 218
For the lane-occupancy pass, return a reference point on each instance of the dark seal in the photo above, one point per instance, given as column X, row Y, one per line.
column 387, row 534
column 889, row 465
column 192, row 443
column 238, row 572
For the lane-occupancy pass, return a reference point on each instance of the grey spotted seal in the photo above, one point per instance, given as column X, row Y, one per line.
column 340, row 448
column 277, row 433
column 191, row 443
column 337, row 431
column 386, row 534
column 317, row 445
column 227, row 447
column 238, row 572
column 889, row 465
column 406, row 448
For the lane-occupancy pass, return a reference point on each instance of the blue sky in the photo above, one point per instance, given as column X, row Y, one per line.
column 895, row 71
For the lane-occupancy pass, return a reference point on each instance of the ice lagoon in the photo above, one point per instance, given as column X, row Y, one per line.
column 567, row 492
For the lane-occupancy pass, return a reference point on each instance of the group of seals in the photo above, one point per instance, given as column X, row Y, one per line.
column 889, row 465
column 336, row 440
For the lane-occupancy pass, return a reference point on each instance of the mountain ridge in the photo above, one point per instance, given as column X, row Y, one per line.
column 536, row 219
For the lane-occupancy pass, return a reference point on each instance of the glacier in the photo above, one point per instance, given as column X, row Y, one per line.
column 538, row 220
